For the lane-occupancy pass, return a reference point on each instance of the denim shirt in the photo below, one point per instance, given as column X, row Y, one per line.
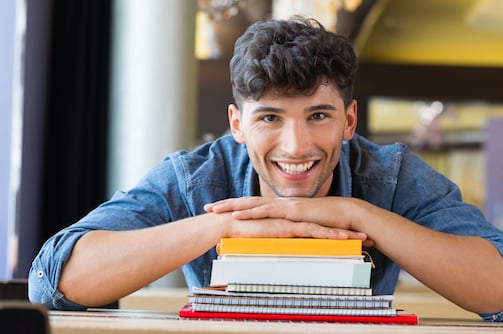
column 387, row 176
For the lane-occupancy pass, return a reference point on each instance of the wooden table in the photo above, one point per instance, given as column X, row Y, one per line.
column 154, row 322
column 155, row 310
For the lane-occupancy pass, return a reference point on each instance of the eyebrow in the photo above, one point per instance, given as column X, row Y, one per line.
column 268, row 109
column 321, row 107
column 309, row 109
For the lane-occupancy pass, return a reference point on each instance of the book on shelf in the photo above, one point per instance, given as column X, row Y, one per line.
column 400, row 317
column 294, row 289
column 289, row 246
column 322, row 271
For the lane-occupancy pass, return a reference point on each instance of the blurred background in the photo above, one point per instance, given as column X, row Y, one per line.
column 93, row 93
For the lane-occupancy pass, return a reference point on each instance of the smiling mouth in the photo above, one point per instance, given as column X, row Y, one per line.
column 295, row 168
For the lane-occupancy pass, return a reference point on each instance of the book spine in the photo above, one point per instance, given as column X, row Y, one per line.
column 289, row 246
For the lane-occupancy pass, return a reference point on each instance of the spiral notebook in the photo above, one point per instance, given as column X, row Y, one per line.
column 400, row 317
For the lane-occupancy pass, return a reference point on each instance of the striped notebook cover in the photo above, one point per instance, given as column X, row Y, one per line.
column 219, row 297
column 297, row 289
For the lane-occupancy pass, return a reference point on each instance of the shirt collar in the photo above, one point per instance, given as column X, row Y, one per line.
column 341, row 184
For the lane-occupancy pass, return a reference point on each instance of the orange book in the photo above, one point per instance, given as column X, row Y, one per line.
column 289, row 246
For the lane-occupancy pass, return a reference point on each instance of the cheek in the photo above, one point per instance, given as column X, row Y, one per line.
column 329, row 139
column 256, row 136
column 258, row 147
column 332, row 146
column 257, row 144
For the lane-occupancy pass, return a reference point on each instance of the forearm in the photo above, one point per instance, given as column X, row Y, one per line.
column 466, row 270
column 107, row 265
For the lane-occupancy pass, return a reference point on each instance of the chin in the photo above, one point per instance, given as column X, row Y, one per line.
column 294, row 193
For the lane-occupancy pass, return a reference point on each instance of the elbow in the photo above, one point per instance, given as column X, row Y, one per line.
column 41, row 291
column 490, row 307
column 493, row 312
column 39, row 286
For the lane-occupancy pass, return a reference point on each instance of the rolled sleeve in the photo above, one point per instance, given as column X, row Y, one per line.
column 496, row 317
column 45, row 272
column 40, row 290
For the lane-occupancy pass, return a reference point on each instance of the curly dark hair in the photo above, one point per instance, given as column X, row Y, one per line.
column 290, row 57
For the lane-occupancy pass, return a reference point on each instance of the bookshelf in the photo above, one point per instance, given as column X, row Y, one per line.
column 449, row 136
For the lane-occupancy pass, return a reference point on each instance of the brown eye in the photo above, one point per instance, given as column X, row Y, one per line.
column 318, row 116
column 270, row 118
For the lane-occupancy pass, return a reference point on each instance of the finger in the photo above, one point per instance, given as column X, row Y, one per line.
column 263, row 211
column 210, row 206
column 368, row 243
column 280, row 228
column 357, row 235
column 319, row 231
column 287, row 229
column 237, row 204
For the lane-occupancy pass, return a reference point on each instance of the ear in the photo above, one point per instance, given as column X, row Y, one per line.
column 234, row 116
column 351, row 120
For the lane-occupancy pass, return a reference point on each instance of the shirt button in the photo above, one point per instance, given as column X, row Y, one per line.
column 40, row 274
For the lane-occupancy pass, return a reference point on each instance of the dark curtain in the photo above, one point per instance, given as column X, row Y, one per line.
column 76, row 117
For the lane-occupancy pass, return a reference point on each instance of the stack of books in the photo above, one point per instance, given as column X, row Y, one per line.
column 302, row 279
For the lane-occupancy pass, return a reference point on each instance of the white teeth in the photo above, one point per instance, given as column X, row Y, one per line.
column 295, row 168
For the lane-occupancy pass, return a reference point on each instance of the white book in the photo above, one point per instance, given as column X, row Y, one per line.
column 321, row 272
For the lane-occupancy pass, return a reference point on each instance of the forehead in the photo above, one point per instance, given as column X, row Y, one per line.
column 325, row 92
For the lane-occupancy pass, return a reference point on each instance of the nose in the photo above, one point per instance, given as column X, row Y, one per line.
column 295, row 139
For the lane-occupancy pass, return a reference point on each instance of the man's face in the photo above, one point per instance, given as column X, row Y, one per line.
column 295, row 142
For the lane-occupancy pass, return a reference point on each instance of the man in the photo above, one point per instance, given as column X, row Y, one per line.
column 293, row 167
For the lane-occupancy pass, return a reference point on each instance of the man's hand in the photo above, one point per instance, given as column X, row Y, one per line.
column 322, row 217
